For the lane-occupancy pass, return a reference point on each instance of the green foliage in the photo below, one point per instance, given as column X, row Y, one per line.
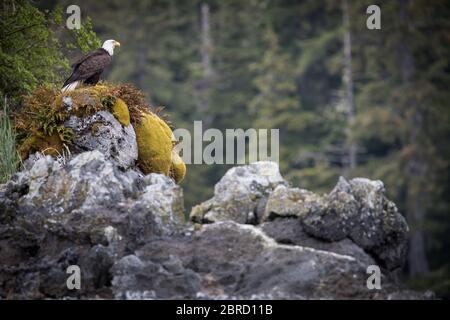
column 9, row 159
column 275, row 85
column 32, row 44
column 29, row 49
column 85, row 38
column 49, row 119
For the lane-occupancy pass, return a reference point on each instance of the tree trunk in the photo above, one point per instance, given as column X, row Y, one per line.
column 204, row 85
column 416, row 196
column 351, row 157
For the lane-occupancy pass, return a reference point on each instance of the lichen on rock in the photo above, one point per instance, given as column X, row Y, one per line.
column 102, row 131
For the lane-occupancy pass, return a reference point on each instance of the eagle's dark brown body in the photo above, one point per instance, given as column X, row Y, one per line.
column 88, row 68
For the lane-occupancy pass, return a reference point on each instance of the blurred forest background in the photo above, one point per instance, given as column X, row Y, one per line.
column 347, row 100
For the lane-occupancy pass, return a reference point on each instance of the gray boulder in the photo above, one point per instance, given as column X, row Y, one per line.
column 240, row 195
column 291, row 231
column 137, row 277
column 288, row 202
column 101, row 131
column 356, row 210
column 228, row 260
column 89, row 183
column 87, row 212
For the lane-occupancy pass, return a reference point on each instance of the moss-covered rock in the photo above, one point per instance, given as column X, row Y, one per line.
column 46, row 124
column 178, row 169
column 120, row 111
column 154, row 144
column 47, row 145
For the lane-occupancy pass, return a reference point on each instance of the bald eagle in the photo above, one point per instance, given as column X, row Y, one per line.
column 89, row 67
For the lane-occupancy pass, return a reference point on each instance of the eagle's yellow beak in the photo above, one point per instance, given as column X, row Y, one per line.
column 116, row 43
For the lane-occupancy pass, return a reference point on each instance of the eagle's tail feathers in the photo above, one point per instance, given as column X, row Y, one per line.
column 71, row 86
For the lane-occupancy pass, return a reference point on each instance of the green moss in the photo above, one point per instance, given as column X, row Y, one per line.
column 120, row 111
column 85, row 101
column 40, row 121
column 178, row 168
column 154, row 144
column 48, row 145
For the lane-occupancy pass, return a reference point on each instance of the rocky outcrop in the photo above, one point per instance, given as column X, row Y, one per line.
column 87, row 212
column 357, row 210
column 229, row 260
column 103, row 132
column 115, row 120
column 257, row 238
column 240, row 195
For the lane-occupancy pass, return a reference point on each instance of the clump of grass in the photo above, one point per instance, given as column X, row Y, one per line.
column 9, row 158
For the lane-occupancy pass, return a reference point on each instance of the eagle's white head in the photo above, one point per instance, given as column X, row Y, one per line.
column 109, row 46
